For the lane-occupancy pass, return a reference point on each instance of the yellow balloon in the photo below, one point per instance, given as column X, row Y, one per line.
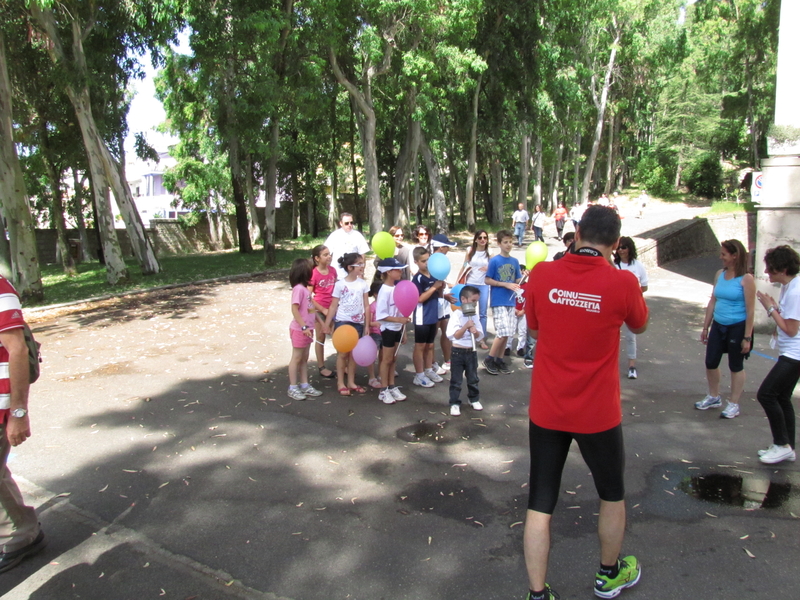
column 535, row 253
column 383, row 244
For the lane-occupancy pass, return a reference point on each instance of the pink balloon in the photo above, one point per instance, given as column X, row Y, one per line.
column 365, row 352
column 406, row 297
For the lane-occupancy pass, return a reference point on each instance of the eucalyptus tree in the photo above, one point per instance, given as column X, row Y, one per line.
column 114, row 30
column 25, row 271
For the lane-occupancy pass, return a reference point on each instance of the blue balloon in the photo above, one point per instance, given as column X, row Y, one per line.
column 456, row 291
column 439, row 266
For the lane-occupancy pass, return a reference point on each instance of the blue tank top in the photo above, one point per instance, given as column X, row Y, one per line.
column 730, row 307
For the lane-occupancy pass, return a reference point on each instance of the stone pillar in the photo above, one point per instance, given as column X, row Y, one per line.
column 778, row 216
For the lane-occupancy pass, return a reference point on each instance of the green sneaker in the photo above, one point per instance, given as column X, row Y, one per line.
column 629, row 573
column 549, row 593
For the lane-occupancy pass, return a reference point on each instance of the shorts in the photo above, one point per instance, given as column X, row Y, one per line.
column 444, row 309
column 376, row 337
column 425, row 334
column 359, row 326
column 603, row 453
column 390, row 337
column 505, row 321
column 299, row 338
column 726, row 339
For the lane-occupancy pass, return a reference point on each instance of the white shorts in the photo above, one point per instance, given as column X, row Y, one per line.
column 505, row 321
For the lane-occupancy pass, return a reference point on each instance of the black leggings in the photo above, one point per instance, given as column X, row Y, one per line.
column 603, row 453
column 775, row 396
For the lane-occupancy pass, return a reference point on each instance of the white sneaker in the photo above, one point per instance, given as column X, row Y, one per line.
column 455, row 410
column 310, row 391
column 386, row 397
column 765, row 450
column 423, row 381
column 777, row 454
column 730, row 411
column 708, row 402
column 443, row 369
column 477, row 405
column 433, row 376
column 397, row 394
column 296, row 394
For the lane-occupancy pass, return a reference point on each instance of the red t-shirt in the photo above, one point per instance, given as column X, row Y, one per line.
column 578, row 304
column 10, row 318
column 322, row 286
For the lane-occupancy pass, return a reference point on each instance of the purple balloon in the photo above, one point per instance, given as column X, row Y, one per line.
column 406, row 297
column 365, row 352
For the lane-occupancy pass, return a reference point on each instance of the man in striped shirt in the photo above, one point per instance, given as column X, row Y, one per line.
column 20, row 533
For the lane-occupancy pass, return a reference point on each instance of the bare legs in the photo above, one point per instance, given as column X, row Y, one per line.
column 610, row 530
column 737, row 384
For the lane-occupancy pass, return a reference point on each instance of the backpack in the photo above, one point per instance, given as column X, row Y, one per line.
column 34, row 356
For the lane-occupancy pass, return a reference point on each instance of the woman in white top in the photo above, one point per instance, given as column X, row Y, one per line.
column 537, row 224
column 476, row 263
column 775, row 393
column 625, row 260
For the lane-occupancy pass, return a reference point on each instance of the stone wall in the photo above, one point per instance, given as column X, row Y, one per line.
column 694, row 237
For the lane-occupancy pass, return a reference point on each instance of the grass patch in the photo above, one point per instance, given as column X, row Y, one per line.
column 91, row 278
column 727, row 207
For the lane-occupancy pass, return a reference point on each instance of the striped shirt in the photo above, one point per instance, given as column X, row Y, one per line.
column 10, row 318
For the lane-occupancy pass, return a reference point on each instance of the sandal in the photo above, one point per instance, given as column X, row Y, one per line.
column 345, row 391
column 375, row 383
column 331, row 376
column 358, row 389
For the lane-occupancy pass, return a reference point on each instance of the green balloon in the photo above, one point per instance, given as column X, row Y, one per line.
column 535, row 253
column 383, row 244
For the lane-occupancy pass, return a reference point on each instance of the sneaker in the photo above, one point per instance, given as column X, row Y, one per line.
column 491, row 365
column 476, row 405
column 777, row 454
column 730, row 411
column 9, row 560
column 629, row 573
column 502, row 367
column 632, row 373
column 296, row 394
column 549, row 594
column 507, row 352
column 397, row 394
column 433, row 376
column 455, row 410
column 386, row 397
column 423, row 381
column 445, row 368
column 520, row 352
column 528, row 363
column 310, row 391
column 708, row 402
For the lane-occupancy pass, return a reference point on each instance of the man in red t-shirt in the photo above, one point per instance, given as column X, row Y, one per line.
column 20, row 533
column 575, row 308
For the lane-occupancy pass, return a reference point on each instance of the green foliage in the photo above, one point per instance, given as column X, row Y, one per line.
column 655, row 172
column 704, row 176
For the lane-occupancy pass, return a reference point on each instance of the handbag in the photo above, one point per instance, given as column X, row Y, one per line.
column 463, row 279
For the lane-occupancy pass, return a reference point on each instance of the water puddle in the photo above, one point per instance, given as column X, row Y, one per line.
column 746, row 491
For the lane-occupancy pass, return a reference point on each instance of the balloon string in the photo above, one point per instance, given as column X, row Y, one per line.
column 402, row 332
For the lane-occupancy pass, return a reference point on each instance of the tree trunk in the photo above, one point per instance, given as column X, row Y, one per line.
column 353, row 167
column 270, row 255
column 77, row 211
column 524, row 167
column 469, row 200
column 598, row 130
column 57, row 203
column 496, row 173
column 26, row 276
column 555, row 177
column 576, row 169
column 334, row 165
column 295, row 205
column 5, row 250
column 405, row 159
column 435, row 179
column 537, row 186
column 249, row 191
column 610, row 161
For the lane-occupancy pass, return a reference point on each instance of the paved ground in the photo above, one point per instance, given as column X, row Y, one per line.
column 167, row 462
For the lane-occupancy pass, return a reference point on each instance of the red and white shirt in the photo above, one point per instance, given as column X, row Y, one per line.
column 10, row 318
column 577, row 304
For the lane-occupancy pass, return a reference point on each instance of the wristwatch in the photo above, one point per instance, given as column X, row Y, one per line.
column 19, row 413
column 772, row 309
column 747, row 339
column 304, row 328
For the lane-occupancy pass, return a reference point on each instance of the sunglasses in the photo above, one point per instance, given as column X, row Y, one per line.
column 358, row 265
column 398, row 235
column 483, row 237
column 624, row 247
column 347, row 222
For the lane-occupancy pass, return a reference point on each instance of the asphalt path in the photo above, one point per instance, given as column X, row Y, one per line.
column 168, row 462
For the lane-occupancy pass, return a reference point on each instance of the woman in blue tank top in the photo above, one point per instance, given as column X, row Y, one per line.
column 728, row 326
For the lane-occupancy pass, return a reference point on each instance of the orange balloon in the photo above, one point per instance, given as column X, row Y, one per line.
column 345, row 338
